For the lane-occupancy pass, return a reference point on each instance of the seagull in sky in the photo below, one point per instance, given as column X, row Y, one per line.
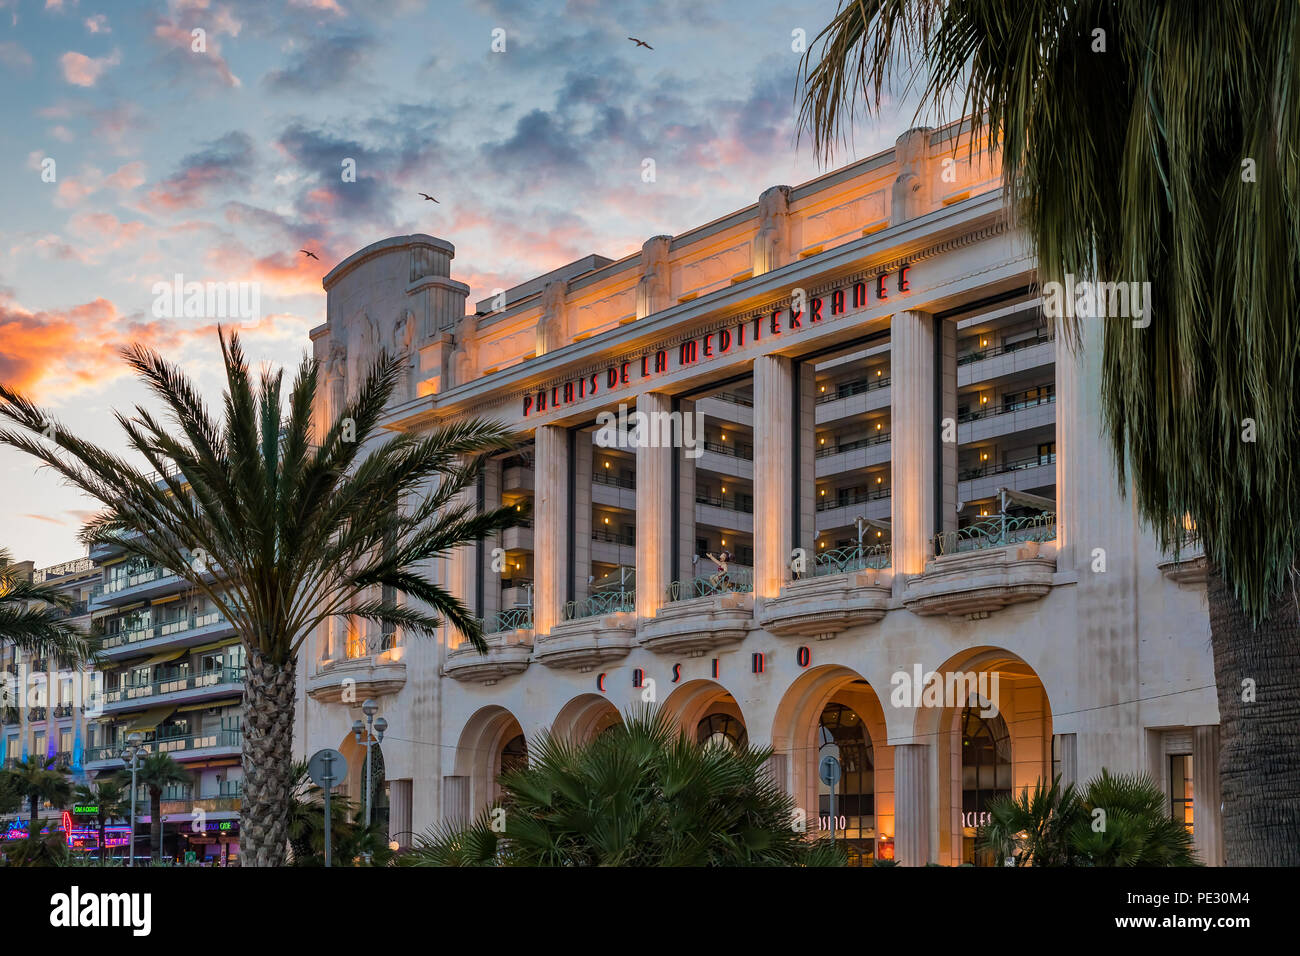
column 430, row 198
column 641, row 43
column 311, row 254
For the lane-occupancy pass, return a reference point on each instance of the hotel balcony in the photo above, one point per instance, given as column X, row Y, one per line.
column 593, row 632
column 871, row 451
column 1188, row 565
column 727, row 407
column 1019, row 357
column 191, row 688
column 372, row 674
column 985, row 567
column 842, row 511
column 186, row 632
column 509, row 637
column 853, row 398
column 989, row 423
column 1025, row 474
column 847, row 587
column 218, row 743
column 144, row 584
column 703, row 613
column 517, row 479
column 518, row 538
column 729, row 458
column 613, row 491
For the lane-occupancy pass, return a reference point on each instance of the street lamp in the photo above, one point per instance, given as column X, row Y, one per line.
column 373, row 731
column 131, row 757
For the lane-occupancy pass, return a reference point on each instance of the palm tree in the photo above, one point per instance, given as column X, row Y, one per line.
column 156, row 771
column 39, row 780
column 350, row 838
column 1137, row 147
column 1117, row 820
column 640, row 794
column 35, row 616
column 281, row 528
column 110, row 801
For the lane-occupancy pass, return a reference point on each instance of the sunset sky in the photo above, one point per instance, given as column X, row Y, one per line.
column 221, row 165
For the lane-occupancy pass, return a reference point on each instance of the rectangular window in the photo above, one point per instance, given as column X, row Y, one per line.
column 1180, row 789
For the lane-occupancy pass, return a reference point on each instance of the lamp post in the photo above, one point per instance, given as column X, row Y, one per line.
column 373, row 731
column 131, row 757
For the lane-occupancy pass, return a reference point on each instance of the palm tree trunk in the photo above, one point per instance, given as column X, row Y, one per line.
column 1257, row 672
column 268, row 761
column 155, row 822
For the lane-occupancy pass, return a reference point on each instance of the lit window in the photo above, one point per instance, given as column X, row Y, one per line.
column 1180, row 789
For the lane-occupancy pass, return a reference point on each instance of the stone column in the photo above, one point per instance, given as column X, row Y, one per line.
column 1207, row 796
column 1068, row 755
column 947, row 372
column 686, row 506
column 654, row 512
column 582, row 467
column 462, row 568
column 912, row 804
column 774, row 501
column 491, row 578
column 550, row 527
column 399, row 812
column 806, row 487
column 455, row 800
column 912, row 441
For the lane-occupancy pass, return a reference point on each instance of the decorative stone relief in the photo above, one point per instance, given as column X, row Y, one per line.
column 911, row 194
column 719, row 267
column 654, row 289
column 465, row 358
column 552, row 329
column 772, row 244
column 403, row 345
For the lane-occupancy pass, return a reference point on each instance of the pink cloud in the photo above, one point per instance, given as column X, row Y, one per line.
column 98, row 24
column 82, row 70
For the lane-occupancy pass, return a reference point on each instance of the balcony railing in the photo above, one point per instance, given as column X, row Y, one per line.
column 736, row 578
column 602, row 477
column 856, row 387
column 997, row 532
column 218, row 738
column 980, row 354
column 741, row 503
column 63, row 710
column 614, row 537
column 172, row 685
column 734, row 398
column 165, row 629
column 511, row 619
column 731, row 448
column 59, row 570
column 826, row 503
column 1020, row 464
column 36, row 713
column 1004, row 409
column 825, row 451
column 10, row 715
column 135, row 579
column 853, row 558
column 605, row 602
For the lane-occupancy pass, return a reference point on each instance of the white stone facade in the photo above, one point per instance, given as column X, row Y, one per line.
column 873, row 370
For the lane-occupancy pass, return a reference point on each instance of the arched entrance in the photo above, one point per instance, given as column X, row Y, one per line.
column 492, row 740
column 584, row 718
column 993, row 737
column 707, row 713
column 832, row 704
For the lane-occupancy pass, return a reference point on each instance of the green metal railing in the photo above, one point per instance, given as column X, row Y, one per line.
column 603, row 602
column 172, row 685
column 997, row 532
column 736, row 578
column 164, row 629
column 511, row 619
column 219, row 738
column 853, row 558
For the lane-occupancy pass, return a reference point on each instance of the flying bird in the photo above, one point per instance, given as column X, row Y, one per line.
column 311, row 254
column 641, row 43
column 430, row 198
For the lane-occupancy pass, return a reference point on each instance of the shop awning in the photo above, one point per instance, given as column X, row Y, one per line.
column 227, row 702
column 160, row 658
column 1024, row 499
column 215, row 645
column 150, row 719
column 166, row 600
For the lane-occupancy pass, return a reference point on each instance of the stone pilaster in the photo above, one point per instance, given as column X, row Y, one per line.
column 806, row 486
column 462, row 567
column 685, row 465
column 1067, row 752
column 654, row 511
column 947, row 372
column 1207, row 796
column 582, row 467
column 912, row 440
column 550, row 527
column 774, row 501
column 912, row 804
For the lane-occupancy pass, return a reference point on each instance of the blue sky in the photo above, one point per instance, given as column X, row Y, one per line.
column 220, row 165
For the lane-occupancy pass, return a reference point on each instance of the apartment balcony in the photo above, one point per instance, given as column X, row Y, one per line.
column 186, row 632
column 728, row 459
column 986, row 567
column 509, row 636
column 734, row 519
column 702, row 613
column 852, row 398
column 593, row 632
column 61, row 711
column 1007, row 419
column 368, row 675
column 868, row 452
column 10, row 715
column 517, row 479
column 185, row 689
column 727, row 407
column 612, row 490
column 1017, row 358
column 127, row 589
column 847, row 587
column 218, row 743
column 517, row 596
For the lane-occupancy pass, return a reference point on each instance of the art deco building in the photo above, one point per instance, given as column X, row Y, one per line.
column 905, row 467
